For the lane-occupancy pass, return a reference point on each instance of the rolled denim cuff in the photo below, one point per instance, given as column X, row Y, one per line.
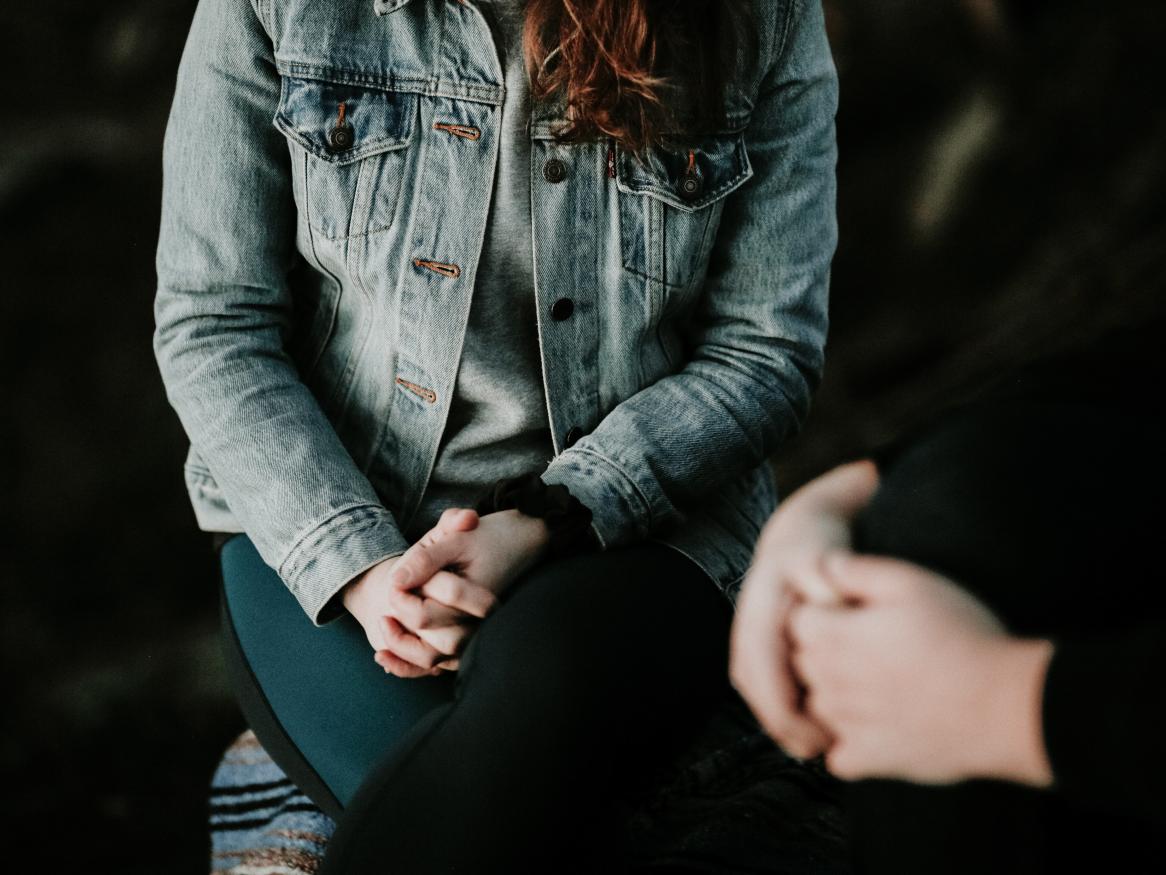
column 347, row 543
column 619, row 512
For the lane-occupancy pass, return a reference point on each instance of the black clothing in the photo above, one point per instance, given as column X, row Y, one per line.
column 593, row 672
column 1048, row 507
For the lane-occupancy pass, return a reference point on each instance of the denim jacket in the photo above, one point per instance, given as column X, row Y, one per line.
column 327, row 177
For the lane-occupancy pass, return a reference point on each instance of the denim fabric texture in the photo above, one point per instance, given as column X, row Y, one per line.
column 326, row 189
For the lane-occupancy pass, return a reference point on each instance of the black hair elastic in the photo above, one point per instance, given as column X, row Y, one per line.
column 567, row 518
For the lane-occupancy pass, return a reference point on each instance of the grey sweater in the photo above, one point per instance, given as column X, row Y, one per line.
column 497, row 424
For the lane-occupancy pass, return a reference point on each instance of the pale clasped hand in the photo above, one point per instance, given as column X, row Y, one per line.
column 903, row 673
column 786, row 569
column 917, row 679
column 445, row 609
column 420, row 609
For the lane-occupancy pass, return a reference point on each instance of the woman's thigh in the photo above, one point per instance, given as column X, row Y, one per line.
column 313, row 695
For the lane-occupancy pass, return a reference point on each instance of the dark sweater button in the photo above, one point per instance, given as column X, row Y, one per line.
column 573, row 435
column 341, row 138
column 562, row 309
column 555, row 170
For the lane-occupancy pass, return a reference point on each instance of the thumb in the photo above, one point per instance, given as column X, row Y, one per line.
column 865, row 578
column 846, row 489
column 457, row 519
column 421, row 561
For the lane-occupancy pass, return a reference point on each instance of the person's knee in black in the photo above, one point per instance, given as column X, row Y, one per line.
column 604, row 649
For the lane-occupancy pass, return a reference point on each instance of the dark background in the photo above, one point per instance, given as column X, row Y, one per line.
column 1001, row 200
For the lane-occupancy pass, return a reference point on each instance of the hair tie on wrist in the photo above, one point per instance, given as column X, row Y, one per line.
column 568, row 519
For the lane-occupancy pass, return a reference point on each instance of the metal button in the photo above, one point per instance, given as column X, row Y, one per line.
column 562, row 309
column 691, row 185
column 573, row 435
column 341, row 138
column 555, row 170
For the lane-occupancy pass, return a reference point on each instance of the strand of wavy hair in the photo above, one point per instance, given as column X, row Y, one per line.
column 633, row 70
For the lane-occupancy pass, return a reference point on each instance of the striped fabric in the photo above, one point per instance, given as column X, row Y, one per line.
column 731, row 803
column 260, row 823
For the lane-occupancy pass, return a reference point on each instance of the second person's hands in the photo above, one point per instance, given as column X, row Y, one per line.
column 786, row 571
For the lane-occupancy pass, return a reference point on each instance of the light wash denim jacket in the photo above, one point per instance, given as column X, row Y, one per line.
column 327, row 177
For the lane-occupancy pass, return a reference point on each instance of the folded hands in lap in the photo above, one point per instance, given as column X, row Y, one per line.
column 419, row 609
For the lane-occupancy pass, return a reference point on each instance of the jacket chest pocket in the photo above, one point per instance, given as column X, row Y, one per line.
column 670, row 203
column 349, row 149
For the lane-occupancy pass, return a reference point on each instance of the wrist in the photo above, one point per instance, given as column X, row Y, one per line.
column 564, row 523
column 1013, row 719
column 352, row 593
column 532, row 534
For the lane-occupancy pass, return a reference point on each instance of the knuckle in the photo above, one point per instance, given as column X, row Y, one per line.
column 839, row 763
column 801, row 625
column 778, row 725
column 457, row 591
column 738, row 678
column 394, row 634
column 790, row 744
column 799, row 747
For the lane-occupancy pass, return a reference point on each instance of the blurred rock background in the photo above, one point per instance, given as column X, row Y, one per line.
column 1001, row 199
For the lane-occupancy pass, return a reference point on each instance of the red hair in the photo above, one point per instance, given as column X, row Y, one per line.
column 635, row 70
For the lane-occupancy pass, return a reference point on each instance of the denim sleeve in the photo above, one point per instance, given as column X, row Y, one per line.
column 760, row 326
column 223, row 313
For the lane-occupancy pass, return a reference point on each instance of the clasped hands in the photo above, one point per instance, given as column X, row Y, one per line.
column 418, row 610
column 885, row 667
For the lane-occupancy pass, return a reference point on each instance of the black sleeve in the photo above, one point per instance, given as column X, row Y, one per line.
column 1103, row 720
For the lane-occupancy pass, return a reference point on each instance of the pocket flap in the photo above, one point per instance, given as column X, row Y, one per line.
column 719, row 164
column 370, row 120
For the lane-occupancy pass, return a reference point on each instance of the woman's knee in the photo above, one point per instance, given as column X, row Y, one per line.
column 605, row 625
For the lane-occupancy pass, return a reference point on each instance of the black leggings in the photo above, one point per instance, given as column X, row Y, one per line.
column 590, row 672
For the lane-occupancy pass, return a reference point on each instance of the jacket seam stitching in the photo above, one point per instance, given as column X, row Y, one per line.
column 641, row 497
column 263, row 13
column 781, row 39
column 291, row 560
column 431, row 87
column 355, row 529
column 786, row 27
